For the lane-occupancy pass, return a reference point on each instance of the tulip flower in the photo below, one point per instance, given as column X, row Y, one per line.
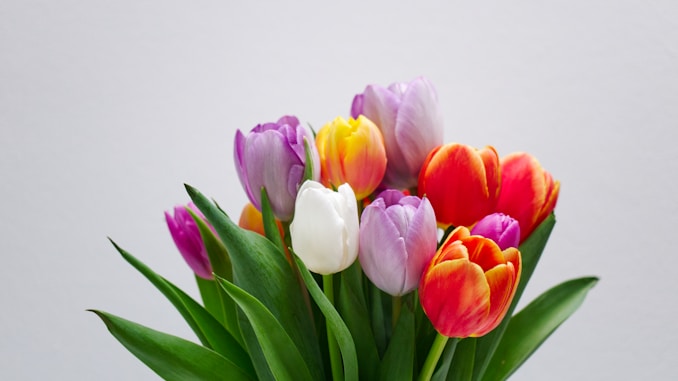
column 352, row 152
column 186, row 236
column 461, row 182
column 324, row 230
column 528, row 193
column 469, row 284
column 502, row 229
column 251, row 219
column 411, row 122
column 273, row 156
column 398, row 237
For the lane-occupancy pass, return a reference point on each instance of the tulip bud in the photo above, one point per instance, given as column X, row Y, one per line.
column 469, row 284
column 324, row 230
column 352, row 152
column 528, row 193
column 502, row 229
column 251, row 219
column 397, row 240
column 410, row 121
column 186, row 236
column 273, row 156
column 461, row 182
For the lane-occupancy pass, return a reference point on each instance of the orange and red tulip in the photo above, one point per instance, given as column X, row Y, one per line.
column 461, row 182
column 528, row 193
column 469, row 284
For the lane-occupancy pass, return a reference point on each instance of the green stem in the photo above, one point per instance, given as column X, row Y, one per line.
column 433, row 355
column 332, row 346
column 396, row 306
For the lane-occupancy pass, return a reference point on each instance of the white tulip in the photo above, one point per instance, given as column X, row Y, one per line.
column 324, row 230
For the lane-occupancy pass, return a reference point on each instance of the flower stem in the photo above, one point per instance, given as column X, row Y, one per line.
column 433, row 356
column 397, row 305
column 332, row 346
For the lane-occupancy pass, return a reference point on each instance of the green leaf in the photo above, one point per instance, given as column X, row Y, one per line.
column 260, row 268
column 530, row 327
column 308, row 168
column 208, row 330
column 461, row 368
column 216, row 301
column 398, row 362
column 341, row 332
column 282, row 355
column 530, row 252
column 171, row 357
column 353, row 309
column 270, row 227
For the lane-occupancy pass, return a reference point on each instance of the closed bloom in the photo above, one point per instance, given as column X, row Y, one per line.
column 324, row 231
column 528, row 193
column 352, row 151
column 251, row 219
column 461, row 182
column 186, row 236
column 398, row 238
column 502, row 229
column 273, row 156
column 469, row 285
column 411, row 122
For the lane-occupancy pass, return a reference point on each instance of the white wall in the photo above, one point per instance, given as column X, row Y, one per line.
column 106, row 108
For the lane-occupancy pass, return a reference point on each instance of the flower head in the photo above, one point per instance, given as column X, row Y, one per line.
column 273, row 156
column 352, row 151
column 186, row 236
column 502, row 229
column 324, row 230
column 528, row 193
column 411, row 122
column 397, row 240
column 469, row 284
column 462, row 183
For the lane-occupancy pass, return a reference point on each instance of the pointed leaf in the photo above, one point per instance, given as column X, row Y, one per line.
column 530, row 327
column 270, row 227
column 530, row 252
column 282, row 355
column 341, row 332
column 461, row 368
column 353, row 309
column 208, row 330
column 171, row 357
column 260, row 268
column 398, row 362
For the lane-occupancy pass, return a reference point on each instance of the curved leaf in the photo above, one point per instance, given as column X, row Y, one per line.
column 208, row 330
column 284, row 359
column 398, row 362
column 171, row 357
column 530, row 327
column 341, row 332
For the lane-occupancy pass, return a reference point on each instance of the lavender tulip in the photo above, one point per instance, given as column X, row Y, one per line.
column 273, row 156
column 398, row 237
column 186, row 236
column 499, row 227
column 410, row 121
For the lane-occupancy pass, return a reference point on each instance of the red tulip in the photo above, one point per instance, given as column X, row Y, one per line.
column 528, row 192
column 461, row 182
column 469, row 284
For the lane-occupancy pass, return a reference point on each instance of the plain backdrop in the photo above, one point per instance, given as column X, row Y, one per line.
column 108, row 107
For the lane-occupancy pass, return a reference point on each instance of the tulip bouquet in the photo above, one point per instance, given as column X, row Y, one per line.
column 369, row 250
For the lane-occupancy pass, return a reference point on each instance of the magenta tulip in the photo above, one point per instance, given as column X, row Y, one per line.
column 186, row 236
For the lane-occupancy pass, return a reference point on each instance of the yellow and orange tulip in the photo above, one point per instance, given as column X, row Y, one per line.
column 528, row 193
column 469, row 284
column 352, row 151
column 461, row 182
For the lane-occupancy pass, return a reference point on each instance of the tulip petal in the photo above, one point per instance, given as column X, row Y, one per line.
column 456, row 297
column 502, row 283
column 484, row 252
column 420, row 241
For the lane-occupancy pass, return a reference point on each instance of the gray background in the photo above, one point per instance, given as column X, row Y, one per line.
column 107, row 107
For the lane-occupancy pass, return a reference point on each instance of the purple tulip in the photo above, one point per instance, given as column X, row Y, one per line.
column 397, row 240
column 186, row 236
column 499, row 227
column 273, row 156
column 410, row 121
